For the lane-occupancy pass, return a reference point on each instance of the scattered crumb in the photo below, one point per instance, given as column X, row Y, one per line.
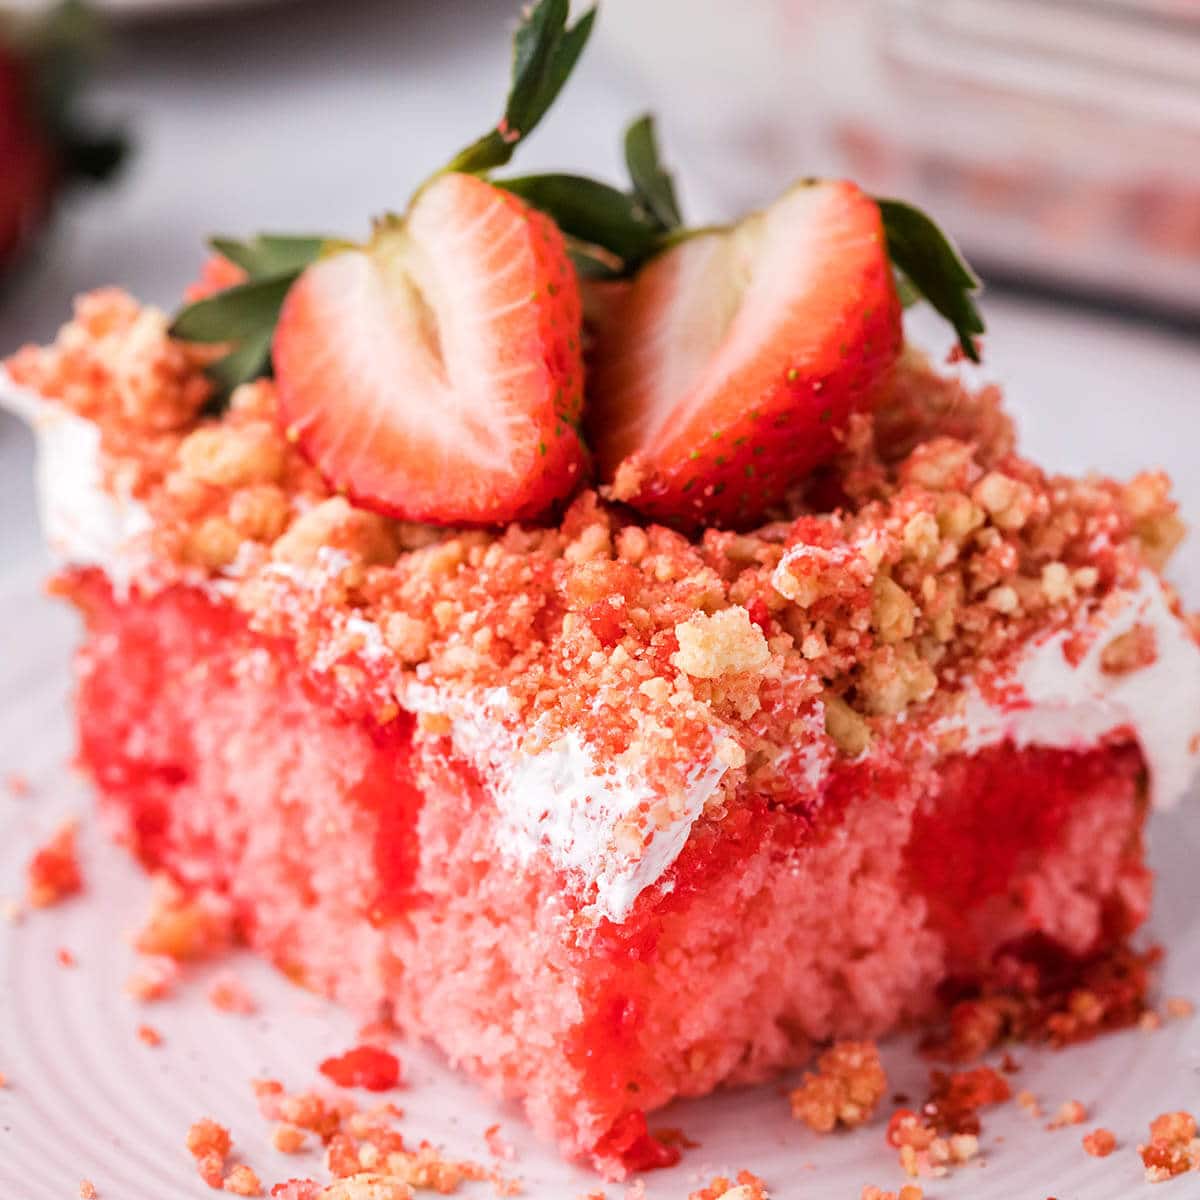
column 909, row 1191
column 956, row 1097
column 1173, row 1147
column 945, row 1133
column 3, row 1080
column 53, row 872
column 298, row 1189
column 1029, row 1102
column 288, row 1139
column 747, row 1186
column 87, row 1190
column 1149, row 1021
column 1108, row 992
column 1178, row 1007
column 229, row 994
column 497, row 1146
column 209, row 1144
column 1072, row 1112
column 17, row 783
column 184, row 927
column 845, row 1089
column 1100, row 1143
column 242, row 1181
column 149, row 1035
column 11, row 911
column 153, row 978
column 65, row 957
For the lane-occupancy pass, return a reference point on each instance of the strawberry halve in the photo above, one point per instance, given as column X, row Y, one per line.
column 611, row 814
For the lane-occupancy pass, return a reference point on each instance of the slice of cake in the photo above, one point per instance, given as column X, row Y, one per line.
column 821, row 697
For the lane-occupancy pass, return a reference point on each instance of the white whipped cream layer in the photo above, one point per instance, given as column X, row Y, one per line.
column 84, row 523
column 1073, row 706
column 565, row 802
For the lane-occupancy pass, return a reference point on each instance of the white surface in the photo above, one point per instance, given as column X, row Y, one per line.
column 86, row 1098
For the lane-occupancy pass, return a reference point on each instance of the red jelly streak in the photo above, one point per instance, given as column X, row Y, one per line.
column 365, row 1067
column 632, row 1142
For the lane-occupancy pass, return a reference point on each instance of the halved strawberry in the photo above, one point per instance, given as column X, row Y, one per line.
column 726, row 370
column 436, row 375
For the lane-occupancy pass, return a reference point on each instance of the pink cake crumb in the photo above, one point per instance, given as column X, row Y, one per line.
column 229, row 994
column 53, row 874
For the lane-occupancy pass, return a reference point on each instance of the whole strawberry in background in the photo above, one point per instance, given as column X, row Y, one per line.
column 44, row 146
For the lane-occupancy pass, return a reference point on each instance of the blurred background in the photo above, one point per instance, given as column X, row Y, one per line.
column 1058, row 140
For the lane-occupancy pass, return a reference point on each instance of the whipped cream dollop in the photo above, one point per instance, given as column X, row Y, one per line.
column 83, row 522
column 1074, row 704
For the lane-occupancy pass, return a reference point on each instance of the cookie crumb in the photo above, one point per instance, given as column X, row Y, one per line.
column 1173, row 1148
column 53, row 874
column 1100, row 1143
column 747, row 1186
column 242, row 1181
column 149, row 1035
column 209, row 1144
column 844, row 1090
column 1072, row 1112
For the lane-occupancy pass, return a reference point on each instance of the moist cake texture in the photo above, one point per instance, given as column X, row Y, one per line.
column 610, row 813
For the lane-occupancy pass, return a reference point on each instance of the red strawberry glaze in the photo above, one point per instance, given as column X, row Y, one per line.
column 365, row 1067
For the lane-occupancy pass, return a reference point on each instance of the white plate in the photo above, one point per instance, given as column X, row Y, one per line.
column 87, row 1099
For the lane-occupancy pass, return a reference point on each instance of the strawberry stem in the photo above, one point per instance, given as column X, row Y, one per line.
column 545, row 52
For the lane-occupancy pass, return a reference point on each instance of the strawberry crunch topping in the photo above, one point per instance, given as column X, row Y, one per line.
column 1173, row 1148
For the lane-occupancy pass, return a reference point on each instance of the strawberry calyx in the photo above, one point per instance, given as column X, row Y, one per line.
column 612, row 232
column 244, row 316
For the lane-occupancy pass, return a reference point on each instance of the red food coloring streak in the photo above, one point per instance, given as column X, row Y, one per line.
column 1000, row 808
column 365, row 1067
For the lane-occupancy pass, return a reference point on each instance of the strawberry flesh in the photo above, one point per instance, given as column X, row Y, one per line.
column 728, row 369
column 435, row 375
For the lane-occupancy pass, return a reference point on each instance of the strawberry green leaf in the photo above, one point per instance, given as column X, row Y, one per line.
column 933, row 268
column 250, row 360
column 590, row 212
column 270, row 253
column 652, row 185
column 236, row 313
column 545, row 52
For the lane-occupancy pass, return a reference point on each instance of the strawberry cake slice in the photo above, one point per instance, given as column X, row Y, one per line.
column 621, row 782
